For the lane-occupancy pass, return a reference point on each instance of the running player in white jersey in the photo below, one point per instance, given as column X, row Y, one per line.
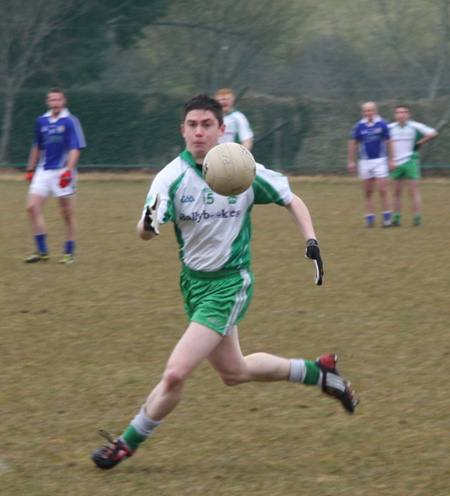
column 237, row 127
column 407, row 136
column 52, row 171
column 214, row 233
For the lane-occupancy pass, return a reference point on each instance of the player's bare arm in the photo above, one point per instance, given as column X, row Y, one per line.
column 72, row 159
column 248, row 144
column 33, row 159
column 390, row 150
column 35, row 153
column 300, row 215
column 427, row 138
column 351, row 166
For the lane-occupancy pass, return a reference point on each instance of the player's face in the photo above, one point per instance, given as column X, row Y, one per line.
column 201, row 131
column 401, row 115
column 227, row 102
column 56, row 102
column 369, row 111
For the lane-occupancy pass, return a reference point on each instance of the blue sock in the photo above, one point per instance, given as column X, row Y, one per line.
column 387, row 216
column 69, row 247
column 370, row 219
column 41, row 242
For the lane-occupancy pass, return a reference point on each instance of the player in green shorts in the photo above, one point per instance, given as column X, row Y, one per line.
column 214, row 234
column 408, row 170
column 407, row 136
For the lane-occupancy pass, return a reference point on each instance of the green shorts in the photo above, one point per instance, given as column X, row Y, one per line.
column 408, row 170
column 218, row 300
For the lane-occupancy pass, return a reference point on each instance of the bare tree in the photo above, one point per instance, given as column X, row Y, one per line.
column 208, row 45
column 422, row 56
column 63, row 41
column 423, row 52
column 24, row 27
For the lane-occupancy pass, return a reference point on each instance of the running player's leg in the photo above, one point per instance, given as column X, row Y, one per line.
column 194, row 346
column 234, row 368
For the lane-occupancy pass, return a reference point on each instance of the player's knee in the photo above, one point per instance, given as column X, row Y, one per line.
column 66, row 212
column 31, row 208
column 229, row 381
column 232, row 378
column 174, row 379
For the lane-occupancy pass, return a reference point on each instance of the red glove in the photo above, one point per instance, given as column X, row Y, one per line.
column 29, row 174
column 65, row 179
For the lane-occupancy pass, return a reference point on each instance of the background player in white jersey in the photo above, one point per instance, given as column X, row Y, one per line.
column 407, row 136
column 371, row 137
column 237, row 127
column 51, row 171
column 214, row 233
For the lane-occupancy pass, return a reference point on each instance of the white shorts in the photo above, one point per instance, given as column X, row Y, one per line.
column 375, row 167
column 45, row 183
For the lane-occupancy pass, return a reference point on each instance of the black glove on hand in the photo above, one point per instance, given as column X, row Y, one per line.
column 150, row 222
column 313, row 253
column 416, row 147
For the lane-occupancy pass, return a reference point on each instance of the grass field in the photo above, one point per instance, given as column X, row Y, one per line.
column 81, row 346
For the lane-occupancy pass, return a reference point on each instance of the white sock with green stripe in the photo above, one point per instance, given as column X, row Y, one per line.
column 140, row 428
column 305, row 371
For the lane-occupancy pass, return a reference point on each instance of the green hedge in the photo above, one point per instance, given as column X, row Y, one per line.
column 128, row 128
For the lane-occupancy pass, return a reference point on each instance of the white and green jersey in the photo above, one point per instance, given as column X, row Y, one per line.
column 237, row 128
column 405, row 137
column 213, row 231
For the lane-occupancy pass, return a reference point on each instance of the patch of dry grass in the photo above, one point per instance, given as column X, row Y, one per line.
column 82, row 346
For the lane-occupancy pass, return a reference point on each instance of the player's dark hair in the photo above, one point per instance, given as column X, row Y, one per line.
column 204, row 102
column 403, row 105
column 56, row 90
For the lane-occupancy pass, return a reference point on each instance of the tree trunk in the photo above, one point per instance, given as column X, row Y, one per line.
column 10, row 97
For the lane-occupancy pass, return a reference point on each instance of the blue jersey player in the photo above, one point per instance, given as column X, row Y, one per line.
column 370, row 136
column 52, row 171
